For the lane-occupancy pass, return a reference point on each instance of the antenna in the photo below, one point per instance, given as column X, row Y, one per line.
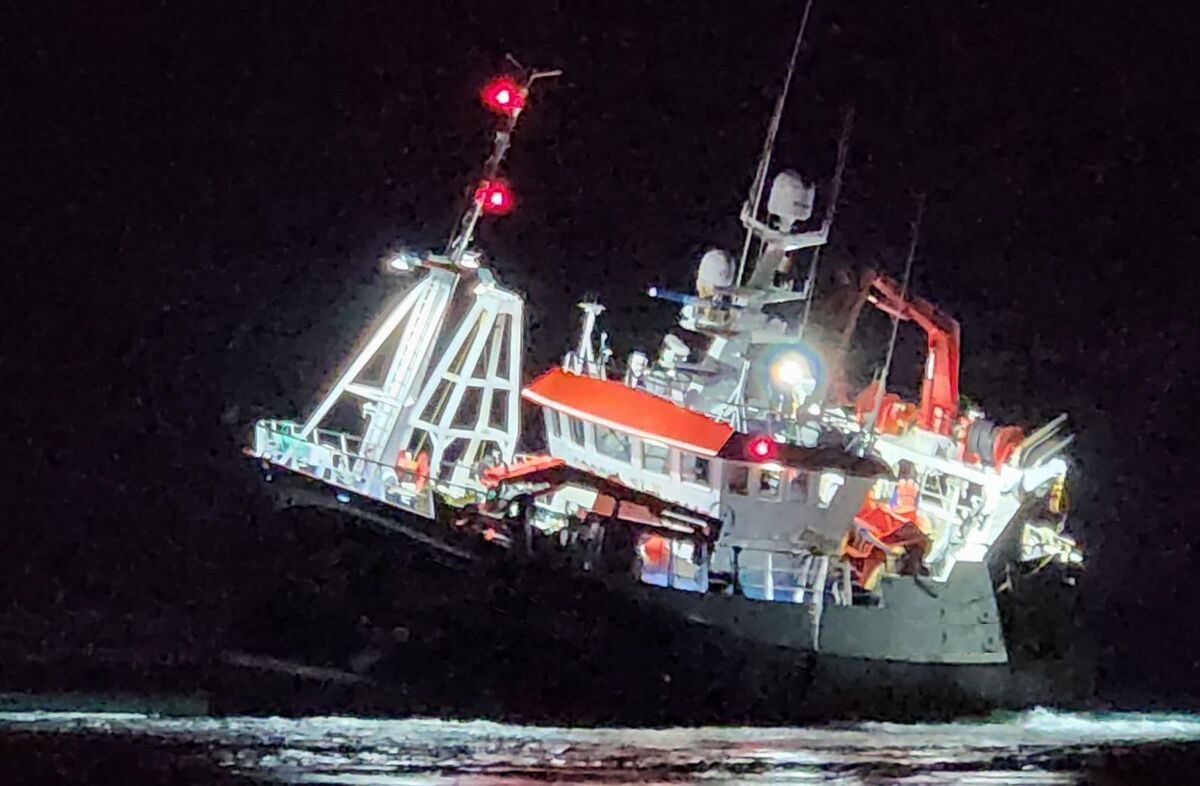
column 869, row 426
column 764, row 161
column 810, row 282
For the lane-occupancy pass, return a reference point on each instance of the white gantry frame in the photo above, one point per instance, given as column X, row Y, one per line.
column 469, row 409
column 420, row 315
column 450, row 396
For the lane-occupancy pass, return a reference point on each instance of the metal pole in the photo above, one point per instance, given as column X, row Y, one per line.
column 764, row 162
column 887, row 363
column 459, row 245
column 810, row 282
column 461, row 239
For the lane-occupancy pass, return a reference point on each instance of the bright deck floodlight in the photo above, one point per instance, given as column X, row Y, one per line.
column 790, row 371
column 403, row 262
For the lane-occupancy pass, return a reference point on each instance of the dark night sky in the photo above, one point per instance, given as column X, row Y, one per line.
column 196, row 197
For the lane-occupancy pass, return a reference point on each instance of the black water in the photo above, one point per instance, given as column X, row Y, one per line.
column 1034, row 747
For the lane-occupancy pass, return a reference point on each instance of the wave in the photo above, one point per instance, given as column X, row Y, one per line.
column 1025, row 747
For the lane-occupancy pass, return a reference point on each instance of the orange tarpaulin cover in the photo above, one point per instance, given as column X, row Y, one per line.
column 520, row 465
column 611, row 403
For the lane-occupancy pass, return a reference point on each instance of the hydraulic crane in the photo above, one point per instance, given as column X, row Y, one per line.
column 939, row 386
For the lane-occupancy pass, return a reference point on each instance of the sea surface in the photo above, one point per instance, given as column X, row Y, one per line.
column 1038, row 746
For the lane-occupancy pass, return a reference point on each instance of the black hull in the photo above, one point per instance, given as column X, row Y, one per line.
column 475, row 633
column 401, row 619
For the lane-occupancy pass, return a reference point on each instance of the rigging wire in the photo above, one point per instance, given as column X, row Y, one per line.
column 810, row 282
column 764, row 162
column 869, row 426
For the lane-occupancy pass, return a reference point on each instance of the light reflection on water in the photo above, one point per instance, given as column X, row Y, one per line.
column 1034, row 747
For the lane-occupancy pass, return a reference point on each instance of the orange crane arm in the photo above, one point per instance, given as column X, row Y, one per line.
column 939, row 385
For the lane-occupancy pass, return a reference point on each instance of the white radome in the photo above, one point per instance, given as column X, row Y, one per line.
column 715, row 272
column 791, row 198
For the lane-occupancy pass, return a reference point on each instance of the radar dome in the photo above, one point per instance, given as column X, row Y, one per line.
column 716, row 272
column 791, row 198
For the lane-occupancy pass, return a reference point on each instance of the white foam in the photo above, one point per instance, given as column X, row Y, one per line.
column 342, row 750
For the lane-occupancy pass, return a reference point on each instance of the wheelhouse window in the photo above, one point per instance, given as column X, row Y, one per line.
column 739, row 479
column 768, row 484
column 695, row 470
column 656, row 458
column 612, row 443
column 552, row 425
column 798, row 491
column 577, row 431
column 828, row 488
column 672, row 562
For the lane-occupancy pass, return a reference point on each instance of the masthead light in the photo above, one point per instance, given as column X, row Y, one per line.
column 494, row 196
column 503, row 95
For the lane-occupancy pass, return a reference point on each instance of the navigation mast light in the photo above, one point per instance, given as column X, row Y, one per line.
column 494, row 197
column 761, row 448
column 504, row 96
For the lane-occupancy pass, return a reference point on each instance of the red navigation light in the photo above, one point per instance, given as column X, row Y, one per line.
column 503, row 95
column 494, row 196
column 761, row 448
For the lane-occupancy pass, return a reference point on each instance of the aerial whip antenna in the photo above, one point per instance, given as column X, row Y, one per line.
column 764, row 162
column 869, row 426
column 810, row 282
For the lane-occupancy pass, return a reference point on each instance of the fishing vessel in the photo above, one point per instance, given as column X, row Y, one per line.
column 907, row 558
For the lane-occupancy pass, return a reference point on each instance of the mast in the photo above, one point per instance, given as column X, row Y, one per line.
column 507, row 98
column 810, row 281
column 434, row 416
column 764, row 162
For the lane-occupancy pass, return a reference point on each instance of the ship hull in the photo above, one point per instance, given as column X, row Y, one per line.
column 484, row 634
column 487, row 634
